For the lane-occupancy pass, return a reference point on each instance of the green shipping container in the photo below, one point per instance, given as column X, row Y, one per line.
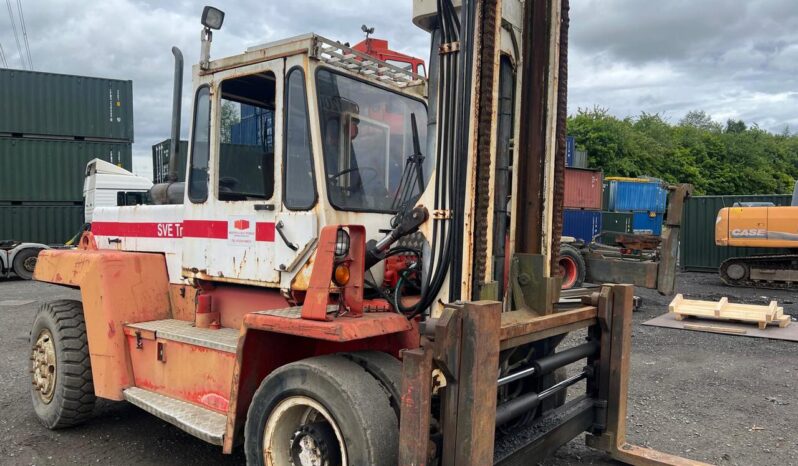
column 40, row 224
column 47, row 104
column 618, row 222
column 44, row 170
column 160, row 161
column 698, row 251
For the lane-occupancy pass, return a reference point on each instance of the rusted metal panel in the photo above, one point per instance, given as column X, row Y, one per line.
column 188, row 372
column 108, row 306
column 340, row 329
column 477, row 386
column 416, row 397
column 583, row 189
column 608, row 270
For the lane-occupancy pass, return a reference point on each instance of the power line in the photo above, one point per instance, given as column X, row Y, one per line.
column 3, row 57
column 16, row 36
column 24, row 33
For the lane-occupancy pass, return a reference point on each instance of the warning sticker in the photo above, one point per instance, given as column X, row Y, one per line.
column 241, row 231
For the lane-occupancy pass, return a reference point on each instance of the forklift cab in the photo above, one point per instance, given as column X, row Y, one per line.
column 285, row 139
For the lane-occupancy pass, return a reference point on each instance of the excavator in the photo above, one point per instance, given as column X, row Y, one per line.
column 376, row 284
column 760, row 227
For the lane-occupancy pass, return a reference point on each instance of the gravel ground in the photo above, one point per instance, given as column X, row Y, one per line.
column 728, row 400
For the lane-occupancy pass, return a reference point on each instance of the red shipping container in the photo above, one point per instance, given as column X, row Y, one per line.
column 583, row 189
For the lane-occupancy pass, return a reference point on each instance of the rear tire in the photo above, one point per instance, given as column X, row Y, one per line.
column 323, row 399
column 572, row 267
column 25, row 263
column 61, row 382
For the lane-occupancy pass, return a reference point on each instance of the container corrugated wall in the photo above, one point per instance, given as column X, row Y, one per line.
column 618, row 222
column 629, row 196
column 160, row 161
column 649, row 223
column 698, row 251
column 41, row 170
column 35, row 103
column 570, row 150
column 583, row 189
column 581, row 224
column 40, row 224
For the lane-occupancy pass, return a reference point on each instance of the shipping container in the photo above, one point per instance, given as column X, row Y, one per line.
column 616, row 222
column 582, row 189
column 44, row 170
column 160, row 161
column 256, row 128
column 580, row 159
column 581, row 224
column 33, row 103
column 48, row 224
column 698, row 251
column 570, row 150
column 633, row 194
column 647, row 223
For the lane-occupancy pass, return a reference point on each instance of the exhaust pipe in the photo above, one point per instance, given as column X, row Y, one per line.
column 177, row 100
column 170, row 191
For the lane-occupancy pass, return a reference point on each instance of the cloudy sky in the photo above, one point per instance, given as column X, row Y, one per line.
column 731, row 58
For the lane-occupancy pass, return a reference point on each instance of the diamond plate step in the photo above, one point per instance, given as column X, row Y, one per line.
column 199, row 422
column 223, row 339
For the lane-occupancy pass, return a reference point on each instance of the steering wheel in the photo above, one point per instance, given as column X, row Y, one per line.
column 364, row 181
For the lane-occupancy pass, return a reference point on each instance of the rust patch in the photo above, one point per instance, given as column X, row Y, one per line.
column 111, row 329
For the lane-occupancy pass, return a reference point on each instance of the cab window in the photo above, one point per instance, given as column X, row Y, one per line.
column 246, row 139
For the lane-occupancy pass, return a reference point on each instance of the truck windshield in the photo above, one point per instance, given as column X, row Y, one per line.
column 367, row 139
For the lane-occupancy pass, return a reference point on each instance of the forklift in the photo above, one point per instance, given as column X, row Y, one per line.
column 372, row 281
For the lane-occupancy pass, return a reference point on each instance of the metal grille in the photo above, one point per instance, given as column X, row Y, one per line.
column 339, row 55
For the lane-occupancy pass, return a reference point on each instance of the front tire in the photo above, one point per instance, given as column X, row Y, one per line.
column 61, row 382
column 326, row 409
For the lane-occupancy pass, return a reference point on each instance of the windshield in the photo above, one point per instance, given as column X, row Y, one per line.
column 367, row 139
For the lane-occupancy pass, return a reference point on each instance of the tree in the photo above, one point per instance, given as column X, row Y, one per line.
column 737, row 159
column 230, row 117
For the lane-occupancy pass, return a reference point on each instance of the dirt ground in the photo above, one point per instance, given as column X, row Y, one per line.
column 727, row 400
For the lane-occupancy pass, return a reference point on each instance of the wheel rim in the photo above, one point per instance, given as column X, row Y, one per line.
column 44, row 366
column 736, row 271
column 30, row 264
column 301, row 432
column 568, row 271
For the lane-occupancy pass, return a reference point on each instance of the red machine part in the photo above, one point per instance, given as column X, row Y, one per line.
column 394, row 265
column 378, row 48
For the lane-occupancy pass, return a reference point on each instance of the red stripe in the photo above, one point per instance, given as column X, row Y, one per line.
column 138, row 229
column 264, row 231
column 214, row 229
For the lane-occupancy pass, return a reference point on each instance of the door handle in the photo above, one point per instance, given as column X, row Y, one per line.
column 279, row 228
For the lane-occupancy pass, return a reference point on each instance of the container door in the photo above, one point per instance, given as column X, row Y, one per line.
column 229, row 228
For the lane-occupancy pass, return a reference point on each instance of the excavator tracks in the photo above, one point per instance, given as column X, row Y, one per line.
column 770, row 272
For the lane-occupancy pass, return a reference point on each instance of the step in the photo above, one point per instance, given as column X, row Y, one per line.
column 223, row 339
column 200, row 422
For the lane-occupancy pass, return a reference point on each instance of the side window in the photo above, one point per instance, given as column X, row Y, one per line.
column 200, row 147
column 299, row 182
column 246, row 138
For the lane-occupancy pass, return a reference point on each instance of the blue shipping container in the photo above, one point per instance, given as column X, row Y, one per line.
column 628, row 196
column 645, row 223
column 581, row 224
column 570, row 150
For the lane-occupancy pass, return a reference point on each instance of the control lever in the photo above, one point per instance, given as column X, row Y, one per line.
column 375, row 250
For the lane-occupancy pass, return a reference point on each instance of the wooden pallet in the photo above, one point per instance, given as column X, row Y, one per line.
column 724, row 310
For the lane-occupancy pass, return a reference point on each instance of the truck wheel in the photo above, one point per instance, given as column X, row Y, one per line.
column 386, row 369
column 572, row 267
column 25, row 263
column 61, row 381
column 325, row 410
